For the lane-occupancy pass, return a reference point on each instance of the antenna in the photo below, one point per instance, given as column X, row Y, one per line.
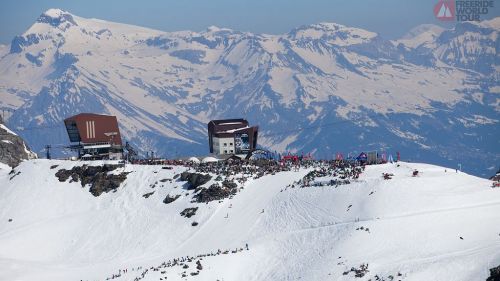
column 47, row 151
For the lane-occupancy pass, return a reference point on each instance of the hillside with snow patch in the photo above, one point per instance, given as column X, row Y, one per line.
column 440, row 225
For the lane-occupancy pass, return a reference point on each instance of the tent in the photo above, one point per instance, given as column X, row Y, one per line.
column 209, row 160
column 194, row 160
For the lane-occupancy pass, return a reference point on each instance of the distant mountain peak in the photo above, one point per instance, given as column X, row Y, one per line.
column 423, row 28
column 424, row 34
column 214, row 28
column 56, row 17
column 54, row 13
column 334, row 33
column 492, row 23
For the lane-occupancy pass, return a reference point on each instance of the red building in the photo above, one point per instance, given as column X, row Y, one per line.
column 98, row 136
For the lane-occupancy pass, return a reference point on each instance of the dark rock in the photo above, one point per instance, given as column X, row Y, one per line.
column 97, row 176
column 54, row 166
column 198, row 265
column 16, row 174
column 358, row 272
column 10, row 220
column 148, row 194
column 106, row 183
column 170, row 199
column 194, row 179
column 189, row 212
column 494, row 274
column 213, row 193
column 194, row 223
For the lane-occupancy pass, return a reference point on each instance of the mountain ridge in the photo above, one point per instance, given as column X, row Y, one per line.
column 165, row 86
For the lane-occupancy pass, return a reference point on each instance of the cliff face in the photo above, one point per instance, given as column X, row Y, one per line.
column 13, row 149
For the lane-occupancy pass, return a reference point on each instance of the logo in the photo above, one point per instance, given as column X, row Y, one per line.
column 462, row 10
column 445, row 10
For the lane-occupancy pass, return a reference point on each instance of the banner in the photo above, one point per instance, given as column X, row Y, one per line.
column 241, row 143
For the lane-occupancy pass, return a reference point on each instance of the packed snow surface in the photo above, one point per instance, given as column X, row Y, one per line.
column 440, row 225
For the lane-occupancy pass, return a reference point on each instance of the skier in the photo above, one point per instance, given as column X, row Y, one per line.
column 246, row 244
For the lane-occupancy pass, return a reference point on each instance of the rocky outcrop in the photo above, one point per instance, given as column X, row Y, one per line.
column 189, row 212
column 494, row 274
column 97, row 176
column 214, row 192
column 170, row 199
column 359, row 272
column 148, row 194
column 13, row 149
column 194, row 179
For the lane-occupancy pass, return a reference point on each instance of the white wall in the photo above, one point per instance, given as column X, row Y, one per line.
column 223, row 145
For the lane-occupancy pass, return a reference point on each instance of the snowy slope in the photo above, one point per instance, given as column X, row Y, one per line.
column 424, row 34
column 417, row 95
column 59, row 231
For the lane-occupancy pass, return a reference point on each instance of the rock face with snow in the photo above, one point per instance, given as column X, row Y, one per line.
column 97, row 177
column 320, row 88
column 13, row 149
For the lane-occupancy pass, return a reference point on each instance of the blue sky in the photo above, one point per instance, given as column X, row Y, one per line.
column 390, row 18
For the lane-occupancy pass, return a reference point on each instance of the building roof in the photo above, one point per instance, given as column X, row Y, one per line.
column 93, row 128
column 220, row 126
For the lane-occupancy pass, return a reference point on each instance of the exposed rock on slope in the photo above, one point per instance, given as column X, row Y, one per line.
column 214, row 192
column 194, row 179
column 13, row 149
column 97, row 176
column 494, row 274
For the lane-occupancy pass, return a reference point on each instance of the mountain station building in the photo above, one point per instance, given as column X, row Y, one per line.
column 97, row 136
column 231, row 136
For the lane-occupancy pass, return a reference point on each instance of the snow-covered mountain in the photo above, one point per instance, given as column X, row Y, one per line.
column 440, row 225
column 320, row 88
